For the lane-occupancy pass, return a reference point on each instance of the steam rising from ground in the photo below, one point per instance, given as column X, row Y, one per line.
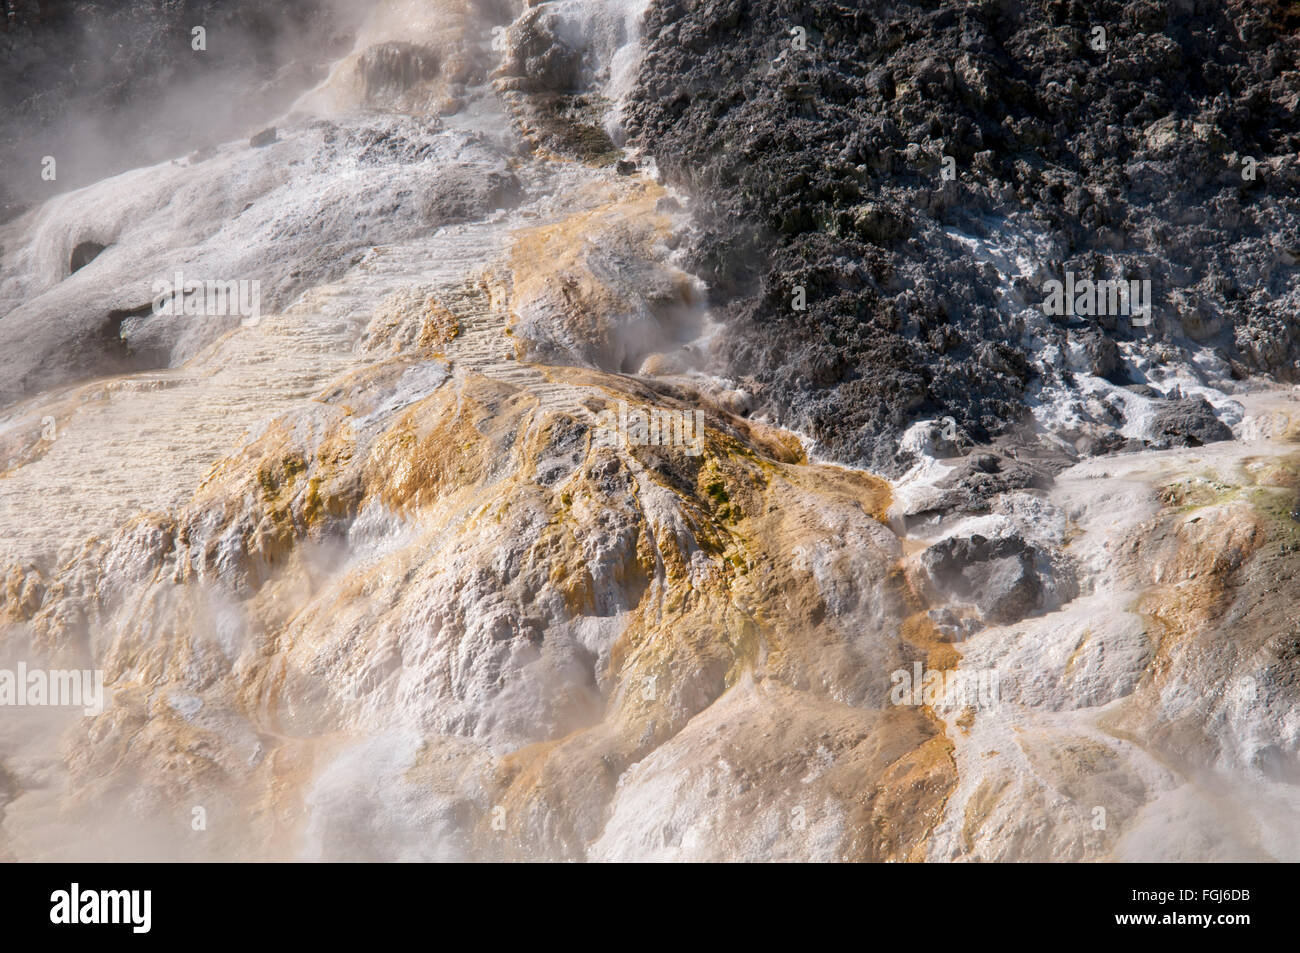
column 106, row 87
column 366, row 587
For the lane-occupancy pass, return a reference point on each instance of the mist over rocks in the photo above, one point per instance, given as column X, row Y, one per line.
column 997, row 575
column 105, row 87
column 242, row 211
column 424, row 562
column 1161, row 149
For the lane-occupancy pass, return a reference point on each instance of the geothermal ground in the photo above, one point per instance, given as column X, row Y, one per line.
column 623, row 440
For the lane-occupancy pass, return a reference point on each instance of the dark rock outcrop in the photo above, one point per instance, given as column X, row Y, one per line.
column 1188, row 423
column 998, row 575
column 857, row 167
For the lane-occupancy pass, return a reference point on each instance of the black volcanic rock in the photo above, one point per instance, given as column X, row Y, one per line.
column 1188, row 423
column 818, row 178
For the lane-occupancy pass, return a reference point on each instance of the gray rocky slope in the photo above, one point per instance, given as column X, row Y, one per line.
column 1139, row 140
